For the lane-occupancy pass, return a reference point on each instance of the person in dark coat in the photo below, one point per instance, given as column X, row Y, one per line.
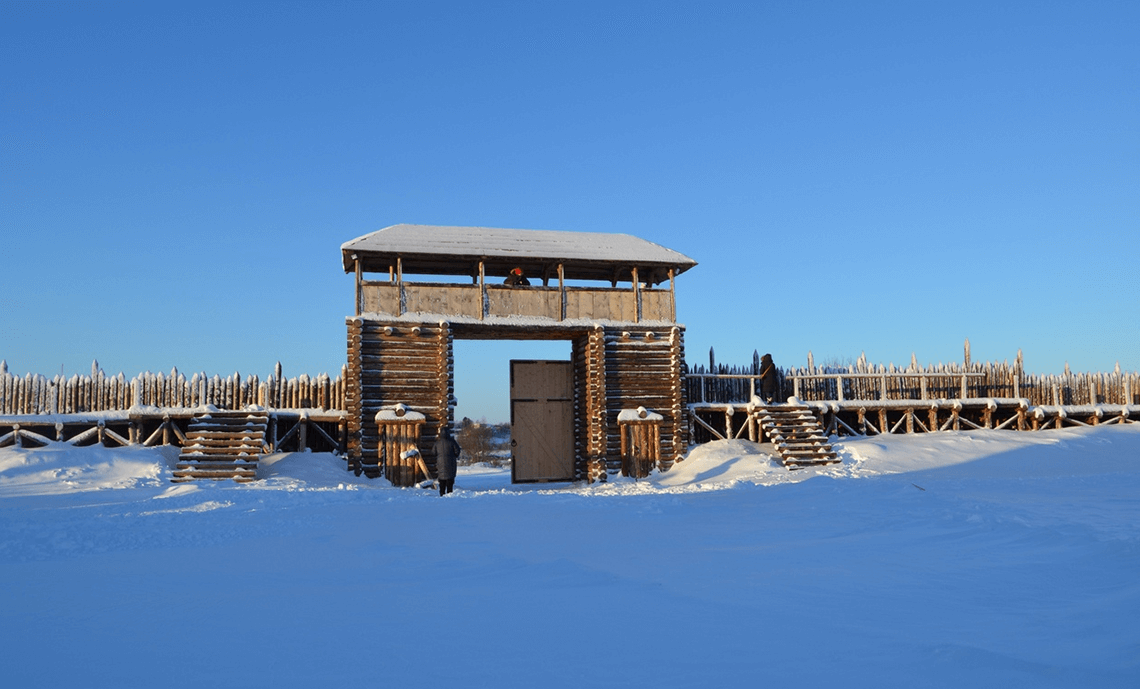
column 446, row 457
column 517, row 279
column 767, row 379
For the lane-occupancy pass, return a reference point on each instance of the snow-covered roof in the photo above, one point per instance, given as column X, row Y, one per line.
column 434, row 250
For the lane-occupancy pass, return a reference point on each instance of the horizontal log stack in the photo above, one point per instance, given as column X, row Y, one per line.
column 643, row 369
column 588, row 355
column 396, row 362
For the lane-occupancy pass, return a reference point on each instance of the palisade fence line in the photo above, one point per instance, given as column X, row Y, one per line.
column 864, row 381
column 34, row 394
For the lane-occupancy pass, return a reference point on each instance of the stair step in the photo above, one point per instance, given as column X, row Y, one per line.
column 222, row 442
column 226, row 435
column 796, row 435
column 808, row 453
column 221, row 446
column 209, row 453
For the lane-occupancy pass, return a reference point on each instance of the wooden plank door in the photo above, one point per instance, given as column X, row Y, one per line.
column 542, row 421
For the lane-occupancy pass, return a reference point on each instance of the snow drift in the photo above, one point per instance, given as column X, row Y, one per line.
column 985, row 558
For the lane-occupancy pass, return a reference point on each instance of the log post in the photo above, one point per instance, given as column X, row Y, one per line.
column 562, row 292
column 672, row 295
column 400, row 285
column 359, row 279
column 483, row 289
column 636, row 296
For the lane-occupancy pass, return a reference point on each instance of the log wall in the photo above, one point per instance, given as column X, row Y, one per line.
column 643, row 369
column 99, row 392
column 552, row 303
column 588, row 354
column 397, row 362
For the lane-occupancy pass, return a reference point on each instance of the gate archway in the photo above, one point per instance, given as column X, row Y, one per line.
column 627, row 350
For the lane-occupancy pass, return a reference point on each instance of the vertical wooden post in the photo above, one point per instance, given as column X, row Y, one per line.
column 482, row 290
column 636, row 296
column 400, row 284
column 359, row 279
column 673, row 294
column 562, row 292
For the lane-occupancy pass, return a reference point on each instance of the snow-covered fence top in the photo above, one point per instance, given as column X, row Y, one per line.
column 99, row 392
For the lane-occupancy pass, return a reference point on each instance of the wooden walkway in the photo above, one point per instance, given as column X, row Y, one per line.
column 288, row 429
column 730, row 420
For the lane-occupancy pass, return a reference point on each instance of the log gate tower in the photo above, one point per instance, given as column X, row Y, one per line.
column 612, row 296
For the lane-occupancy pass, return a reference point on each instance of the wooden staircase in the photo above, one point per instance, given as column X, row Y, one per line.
column 222, row 445
column 796, row 434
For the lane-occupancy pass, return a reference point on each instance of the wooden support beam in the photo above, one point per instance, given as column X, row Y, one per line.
column 562, row 292
column 482, row 290
column 636, row 296
column 359, row 279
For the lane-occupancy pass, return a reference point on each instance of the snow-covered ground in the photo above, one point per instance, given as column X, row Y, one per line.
column 990, row 558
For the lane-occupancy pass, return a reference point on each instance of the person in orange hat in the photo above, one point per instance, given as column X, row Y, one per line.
column 517, row 279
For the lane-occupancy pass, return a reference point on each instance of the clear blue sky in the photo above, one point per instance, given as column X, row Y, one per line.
column 176, row 179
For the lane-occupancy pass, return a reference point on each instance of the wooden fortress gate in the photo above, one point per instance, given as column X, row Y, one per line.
column 627, row 350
